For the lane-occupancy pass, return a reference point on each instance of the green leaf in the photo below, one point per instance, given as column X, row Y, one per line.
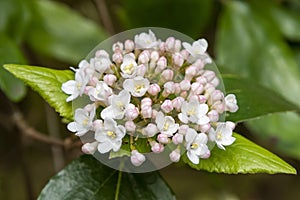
column 243, row 156
column 135, row 13
column 61, row 33
column 47, row 82
column 87, row 178
column 254, row 99
column 14, row 89
column 250, row 45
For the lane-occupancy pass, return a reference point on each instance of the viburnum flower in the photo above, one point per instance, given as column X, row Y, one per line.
column 194, row 112
column 110, row 136
column 150, row 97
column 196, row 145
column 83, row 121
column 222, row 135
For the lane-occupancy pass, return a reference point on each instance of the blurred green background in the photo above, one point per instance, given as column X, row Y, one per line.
column 257, row 39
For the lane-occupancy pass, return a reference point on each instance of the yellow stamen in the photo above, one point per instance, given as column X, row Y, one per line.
column 219, row 135
column 138, row 88
column 111, row 134
column 166, row 126
column 128, row 69
column 194, row 146
column 85, row 122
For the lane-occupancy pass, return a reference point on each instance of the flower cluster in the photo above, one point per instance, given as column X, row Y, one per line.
column 157, row 91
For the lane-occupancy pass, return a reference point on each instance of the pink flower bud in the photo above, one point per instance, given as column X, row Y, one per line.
column 154, row 89
column 117, row 46
column 146, row 102
column 175, row 155
column 177, row 59
column 177, row 138
column 101, row 53
column 146, row 112
column 137, row 158
column 167, row 74
column 89, row 107
column 163, row 138
column 185, row 85
column 170, row 43
column 130, row 126
column 150, row 130
column 199, row 64
column 167, row 106
column 177, row 88
column 190, row 72
column 157, row 147
column 202, row 98
column 117, row 57
column 109, row 79
column 161, row 64
column 209, row 75
column 141, row 70
column 129, row 45
column 217, row 95
column 183, row 129
column 219, row 106
column 206, row 155
column 213, row 115
column 177, row 46
column 154, row 112
column 169, row 87
column 202, row 80
column 197, row 88
column 204, row 128
column 131, row 112
column 185, row 54
column 177, row 102
column 144, row 57
column 89, row 148
column 215, row 82
column 154, row 56
column 184, row 94
column 162, row 46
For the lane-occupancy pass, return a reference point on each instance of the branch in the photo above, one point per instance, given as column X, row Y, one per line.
column 104, row 15
column 22, row 125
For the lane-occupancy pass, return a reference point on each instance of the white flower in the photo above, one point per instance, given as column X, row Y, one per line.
column 145, row 41
column 75, row 87
column 194, row 112
column 196, row 145
column 110, row 136
column 231, row 103
column 101, row 92
column 137, row 158
column 197, row 50
column 222, row 135
column 118, row 106
column 101, row 63
column 129, row 66
column 166, row 124
column 83, row 121
column 137, row 86
column 175, row 155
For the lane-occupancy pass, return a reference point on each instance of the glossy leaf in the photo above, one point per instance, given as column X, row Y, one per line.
column 61, row 33
column 47, row 82
column 87, row 178
column 254, row 100
column 249, row 44
column 14, row 88
column 243, row 156
column 189, row 17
